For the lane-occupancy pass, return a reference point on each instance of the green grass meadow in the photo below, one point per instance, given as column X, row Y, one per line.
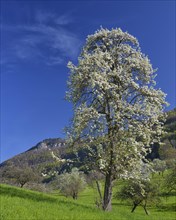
column 23, row 204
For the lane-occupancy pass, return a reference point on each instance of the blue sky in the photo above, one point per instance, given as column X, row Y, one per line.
column 38, row 38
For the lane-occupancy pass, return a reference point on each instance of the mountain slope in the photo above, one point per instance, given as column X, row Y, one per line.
column 43, row 159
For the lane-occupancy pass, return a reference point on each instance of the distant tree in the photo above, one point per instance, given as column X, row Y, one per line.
column 159, row 166
column 170, row 181
column 117, row 109
column 167, row 153
column 139, row 192
column 170, row 128
column 167, row 150
column 71, row 184
column 21, row 176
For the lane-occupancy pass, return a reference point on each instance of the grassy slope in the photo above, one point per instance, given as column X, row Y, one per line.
column 22, row 204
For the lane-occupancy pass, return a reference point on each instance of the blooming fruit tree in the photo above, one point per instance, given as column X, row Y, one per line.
column 117, row 109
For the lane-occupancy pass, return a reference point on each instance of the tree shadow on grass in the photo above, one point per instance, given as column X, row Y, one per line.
column 167, row 208
column 166, row 194
column 121, row 203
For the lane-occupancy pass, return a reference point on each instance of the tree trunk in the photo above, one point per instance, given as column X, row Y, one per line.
column 75, row 196
column 22, row 184
column 145, row 208
column 99, row 191
column 107, row 206
column 134, row 207
column 107, row 193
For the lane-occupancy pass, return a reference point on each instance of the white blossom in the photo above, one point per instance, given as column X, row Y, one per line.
column 117, row 108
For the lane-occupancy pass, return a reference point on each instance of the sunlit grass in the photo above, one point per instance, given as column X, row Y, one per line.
column 22, row 204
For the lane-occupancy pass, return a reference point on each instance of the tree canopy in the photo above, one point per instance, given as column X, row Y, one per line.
column 117, row 109
column 70, row 184
column 139, row 192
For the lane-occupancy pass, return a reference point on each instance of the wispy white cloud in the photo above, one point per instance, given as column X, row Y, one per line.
column 64, row 19
column 46, row 17
column 54, row 39
column 54, row 61
column 48, row 40
column 43, row 17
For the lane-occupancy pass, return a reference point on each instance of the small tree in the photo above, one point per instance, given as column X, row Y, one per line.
column 21, row 176
column 139, row 193
column 71, row 184
column 117, row 110
column 159, row 166
column 170, row 181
